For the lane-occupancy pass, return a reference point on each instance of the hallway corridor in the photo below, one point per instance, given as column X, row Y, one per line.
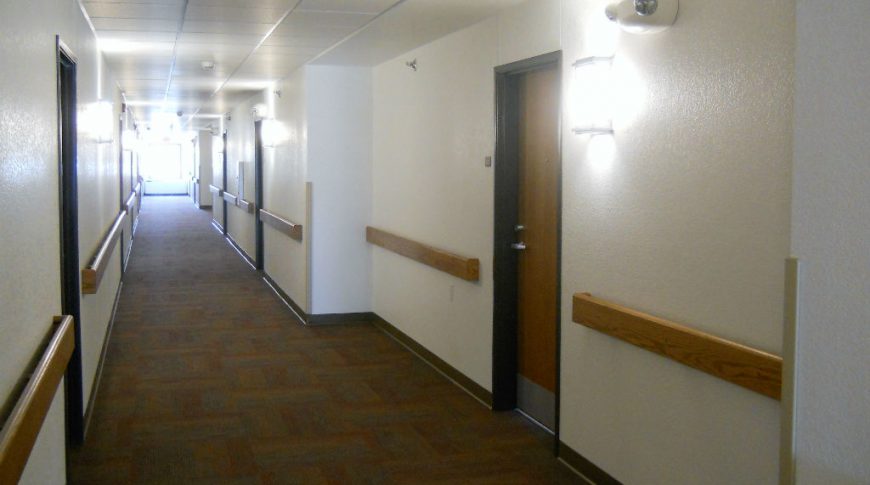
column 209, row 378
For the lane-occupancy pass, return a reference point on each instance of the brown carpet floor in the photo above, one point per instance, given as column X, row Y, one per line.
column 209, row 378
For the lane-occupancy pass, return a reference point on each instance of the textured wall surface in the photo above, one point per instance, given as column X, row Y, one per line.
column 99, row 199
column 30, row 239
column 688, row 220
column 321, row 128
column 284, row 177
column 831, row 236
column 432, row 131
column 240, row 148
column 204, row 140
column 217, row 166
column 339, row 167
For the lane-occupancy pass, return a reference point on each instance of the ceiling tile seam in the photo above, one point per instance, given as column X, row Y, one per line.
column 173, row 19
column 175, row 52
column 318, row 56
column 259, row 44
column 97, row 40
column 130, row 3
column 114, row 17
column 355, row 32
column 348, row 12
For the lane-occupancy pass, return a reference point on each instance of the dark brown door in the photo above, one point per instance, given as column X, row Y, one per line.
column 537, row 232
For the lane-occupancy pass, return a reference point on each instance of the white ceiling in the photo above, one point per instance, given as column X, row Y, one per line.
column 155, row 48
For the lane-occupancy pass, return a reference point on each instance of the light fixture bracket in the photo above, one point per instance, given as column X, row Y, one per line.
column 643, row 16
column 593, row 96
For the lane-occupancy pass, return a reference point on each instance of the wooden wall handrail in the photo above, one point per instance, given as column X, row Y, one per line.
column 289, row 228
column 138, row 188
column 130, row 201
column 215, row 190
column 459, row 266
column 742, row 365
column 21, row 429
column 229, row 197
column 93, row 272
column 246, row 205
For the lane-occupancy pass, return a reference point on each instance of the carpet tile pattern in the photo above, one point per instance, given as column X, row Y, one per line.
column 209, row 378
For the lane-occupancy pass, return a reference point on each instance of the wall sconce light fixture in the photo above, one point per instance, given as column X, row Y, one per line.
column 218, row 143
column 130, row 139
column 272, row 133
column 97, row 120
column 593, row 103
column 643, row 16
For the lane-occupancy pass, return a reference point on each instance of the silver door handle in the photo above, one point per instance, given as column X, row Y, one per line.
column 519, row 246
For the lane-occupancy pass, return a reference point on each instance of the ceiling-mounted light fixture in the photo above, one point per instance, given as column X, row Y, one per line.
column 643, row 16
column 593, row 96
column 207, row 65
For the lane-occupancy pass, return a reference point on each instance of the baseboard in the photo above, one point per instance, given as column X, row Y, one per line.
column 247, row 257
column 436, row 362
column 584, row 467
column 217, row 225
column 128, row 253
column 433, row 360
column 296, row 309
column 89, row 411
column 316, row 319
column 340, row 318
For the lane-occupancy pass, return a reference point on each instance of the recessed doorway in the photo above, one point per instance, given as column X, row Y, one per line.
column 528, row 174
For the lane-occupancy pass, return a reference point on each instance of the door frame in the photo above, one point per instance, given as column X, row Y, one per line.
column 505, row 259
column 224, row 181
column 259, row 254
column 121, row 195
column 66, row 62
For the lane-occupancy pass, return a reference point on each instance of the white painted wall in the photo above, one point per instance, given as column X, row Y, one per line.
column 831, row 236
column 99, row 200
column 285, row 173
column 204, row 167
column 29, row 197
column 240, row 148
column 217, row 168
column 189, row 169
column 432, row 131
column 324, row 113
column 690, row 221
column 339, row 166
column 167, row 187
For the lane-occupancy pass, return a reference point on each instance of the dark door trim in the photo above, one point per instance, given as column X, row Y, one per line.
column 504, row 341
column 258, row 193
column 224, row 181
column 69, row 234
column 121, row 195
